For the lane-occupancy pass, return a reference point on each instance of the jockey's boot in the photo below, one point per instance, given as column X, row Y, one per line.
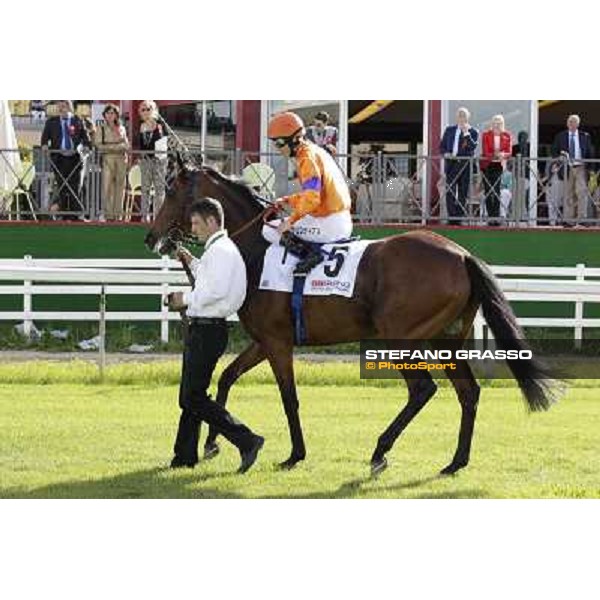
column 309, row 256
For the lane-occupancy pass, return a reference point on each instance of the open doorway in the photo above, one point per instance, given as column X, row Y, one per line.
column 397, row 125
column 384, row 139
column 553, row 116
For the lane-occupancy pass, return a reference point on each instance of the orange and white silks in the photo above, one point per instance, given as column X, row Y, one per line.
column 323, row 188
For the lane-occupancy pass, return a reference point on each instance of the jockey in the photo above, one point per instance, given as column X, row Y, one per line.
column 321, row 209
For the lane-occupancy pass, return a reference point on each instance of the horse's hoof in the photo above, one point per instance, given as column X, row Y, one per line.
column 452, row 468
column 289, row 464
column 378, row 466
column 211, row 450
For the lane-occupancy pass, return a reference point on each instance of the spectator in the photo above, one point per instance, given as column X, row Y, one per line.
column 458, row 144
column 153, row 167
column 521, row 148
column 506, row 187
column 495, row 149
column 521, row 171
column 554, row 193
column 86, row 177
column 322, row 134
column 574, row 147
column 37, row 110
column 66, row 136
column 111, row 141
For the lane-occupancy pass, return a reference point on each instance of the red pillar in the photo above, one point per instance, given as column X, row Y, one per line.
column 435, row 126
column 434, row 135
column 247, row 132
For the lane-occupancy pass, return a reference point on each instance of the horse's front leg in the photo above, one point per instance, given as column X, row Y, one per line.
column 244, row 362
column 280, row 356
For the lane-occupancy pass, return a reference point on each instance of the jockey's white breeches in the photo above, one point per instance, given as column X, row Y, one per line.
column 331, row 228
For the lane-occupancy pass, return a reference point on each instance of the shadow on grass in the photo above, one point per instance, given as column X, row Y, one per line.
column 150, row 483
column 356, row 488
column 162, row 483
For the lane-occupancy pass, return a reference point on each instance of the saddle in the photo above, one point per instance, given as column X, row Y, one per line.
column 310, row 254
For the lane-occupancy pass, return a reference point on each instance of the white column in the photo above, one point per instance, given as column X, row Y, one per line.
column 424, row 163
column 445, row 118
column 264, row 124
column 203, row 131
column 533, row 149
column 343, row 135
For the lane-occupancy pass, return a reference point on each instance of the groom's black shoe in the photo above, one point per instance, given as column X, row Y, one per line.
column 179, row 463
column 249, row 455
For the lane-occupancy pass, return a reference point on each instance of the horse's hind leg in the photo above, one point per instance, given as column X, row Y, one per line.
column 467, row 391
column 421, row 388
column 248, row 359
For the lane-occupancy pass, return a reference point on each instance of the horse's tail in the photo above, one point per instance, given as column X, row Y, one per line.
column 534, row 378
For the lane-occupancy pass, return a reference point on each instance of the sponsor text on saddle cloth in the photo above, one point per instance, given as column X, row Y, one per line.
column 334, row 276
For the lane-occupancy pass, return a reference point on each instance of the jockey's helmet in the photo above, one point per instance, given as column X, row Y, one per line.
column 285, row 125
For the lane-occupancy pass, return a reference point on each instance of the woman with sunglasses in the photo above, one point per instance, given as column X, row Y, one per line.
column 153, row 166
column 110, row 138
column 321, row 209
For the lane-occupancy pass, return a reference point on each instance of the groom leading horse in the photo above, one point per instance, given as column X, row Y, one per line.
column 413, row 287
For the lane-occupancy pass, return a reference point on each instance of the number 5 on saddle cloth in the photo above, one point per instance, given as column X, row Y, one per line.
column 323, row 269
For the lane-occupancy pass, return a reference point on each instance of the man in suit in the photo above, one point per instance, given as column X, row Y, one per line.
column 458, row 144
column 63, row 135
column 574, row 146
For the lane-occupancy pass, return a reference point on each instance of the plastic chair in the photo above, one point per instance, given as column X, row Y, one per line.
column 25, row 178
column 261, row 178
column 134, row 179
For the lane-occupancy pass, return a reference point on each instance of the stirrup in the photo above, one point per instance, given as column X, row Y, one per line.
column 308, row 255
column 306, row 265
column 292, row 243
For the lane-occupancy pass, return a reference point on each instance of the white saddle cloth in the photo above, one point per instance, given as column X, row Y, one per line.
column 335, row 275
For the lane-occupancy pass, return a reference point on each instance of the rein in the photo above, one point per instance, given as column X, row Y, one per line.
column 264, row 215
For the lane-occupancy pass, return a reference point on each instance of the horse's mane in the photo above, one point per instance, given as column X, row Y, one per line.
column 237, row 185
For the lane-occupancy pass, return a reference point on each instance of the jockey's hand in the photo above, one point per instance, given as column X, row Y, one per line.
column 184, row 255
column 281, row 203
column 284, row 226
column 175, row 301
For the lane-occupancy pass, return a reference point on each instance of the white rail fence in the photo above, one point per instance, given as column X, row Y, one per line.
column 578, row 286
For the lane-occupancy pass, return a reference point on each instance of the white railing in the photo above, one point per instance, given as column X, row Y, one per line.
column 574, row 285
column 145, row 277
column 158, row 277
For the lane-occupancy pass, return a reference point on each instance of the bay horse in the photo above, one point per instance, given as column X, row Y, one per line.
column 412, row 286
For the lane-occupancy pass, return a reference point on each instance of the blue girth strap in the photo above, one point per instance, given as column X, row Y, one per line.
column 298, row 296
column 297, row 312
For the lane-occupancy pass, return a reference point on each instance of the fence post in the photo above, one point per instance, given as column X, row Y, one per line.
column 164, row 310
column 579, row 309
column 478, row 325
column 378, row 204
column 102, row 333
column 27, row 302
column 238, row 162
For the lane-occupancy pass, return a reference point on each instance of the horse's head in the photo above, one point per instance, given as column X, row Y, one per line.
column 172, row 222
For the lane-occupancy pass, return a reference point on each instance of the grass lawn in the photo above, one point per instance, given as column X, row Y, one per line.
column 64, row 434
